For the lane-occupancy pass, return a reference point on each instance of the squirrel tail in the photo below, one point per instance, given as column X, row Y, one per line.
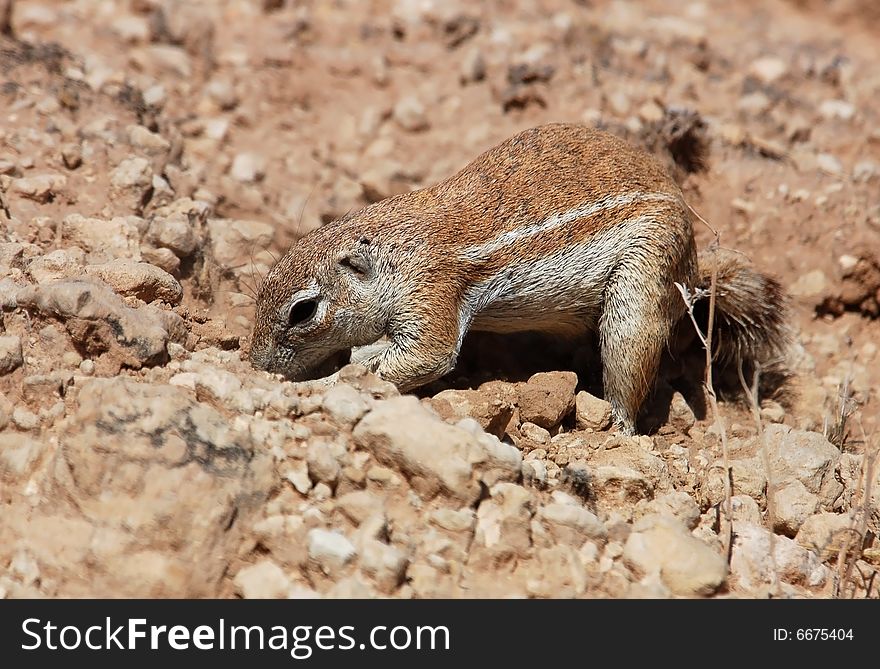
column 751, row 323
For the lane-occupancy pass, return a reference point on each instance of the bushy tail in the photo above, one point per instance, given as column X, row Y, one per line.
column 751, row 324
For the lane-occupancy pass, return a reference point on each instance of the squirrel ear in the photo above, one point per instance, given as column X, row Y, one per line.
column 357, row 261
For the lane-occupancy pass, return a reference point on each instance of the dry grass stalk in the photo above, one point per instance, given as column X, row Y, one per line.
column 837, row 431
column 854, row 539
column 690, row 299
column 751, row 392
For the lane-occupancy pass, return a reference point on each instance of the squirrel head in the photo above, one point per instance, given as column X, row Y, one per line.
column 319, row 300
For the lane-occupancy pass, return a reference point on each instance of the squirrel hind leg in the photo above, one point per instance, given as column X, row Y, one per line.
column 634, row 329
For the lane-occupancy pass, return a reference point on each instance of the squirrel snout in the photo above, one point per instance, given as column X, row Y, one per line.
column 305, row 363
column 261, row 355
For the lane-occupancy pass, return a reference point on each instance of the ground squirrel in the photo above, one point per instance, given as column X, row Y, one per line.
column 561, row 229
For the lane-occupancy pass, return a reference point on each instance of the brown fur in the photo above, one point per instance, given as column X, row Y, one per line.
column 561, row 228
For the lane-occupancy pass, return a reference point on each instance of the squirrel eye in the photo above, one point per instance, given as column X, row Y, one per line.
column 302, row 312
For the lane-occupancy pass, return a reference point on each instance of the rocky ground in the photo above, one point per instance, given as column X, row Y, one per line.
column 155, row 154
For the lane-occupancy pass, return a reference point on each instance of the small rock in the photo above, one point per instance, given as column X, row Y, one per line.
column 323, row 465
column 634, row 453
column 754, row 567
column 297, row 472
column 385, row 564
column 34, row 15
column 132, row 29
column 162, row 258
column 213, row 384
column 435, row 455
column 117, row 238
column 504, row 521
column 138, row 279
column 248, row 168
column 410, row 114
column 676, row 504
column 166, row 59
column 453, row 520
column 591, row 412
column 10, row 354
column 651, row 112
column 155, row 96
column 614, row 485
column 825, row 533
column 847, row 262
column 145, row 140
column 490, row 406
column 71, row 155
column 383, row 476
column 837, row 109
column 344, row 404
column 745, row 509
column 330, row 550
column 804, row 456
column 18, row 455
column 359, row 505
column 534, row 433
column 794, row 504
column 99, row 321
column 162, row 193
column 558, row 573
column 866, row 170
column 264, row 580
column 828, row 163
column 681, row 416
column 41, row 188
column 234, row 241
column 572, row 525
column 24, row 567
column 547, row 398
column 222, row 91
column 618, row 102
column 754, row 104
column 25, row 419
column 473, row 67
column 811, row 285
column 132, row 173
column 733, row 134
column 748, row 476
column 534, row 471
column 174, row 232
column 768, row 69
column 686, row 565
column 71, row 359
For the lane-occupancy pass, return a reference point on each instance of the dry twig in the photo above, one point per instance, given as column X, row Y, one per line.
column 690, row 298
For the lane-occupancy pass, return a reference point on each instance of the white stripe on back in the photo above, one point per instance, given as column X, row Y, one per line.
column 480, row 251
